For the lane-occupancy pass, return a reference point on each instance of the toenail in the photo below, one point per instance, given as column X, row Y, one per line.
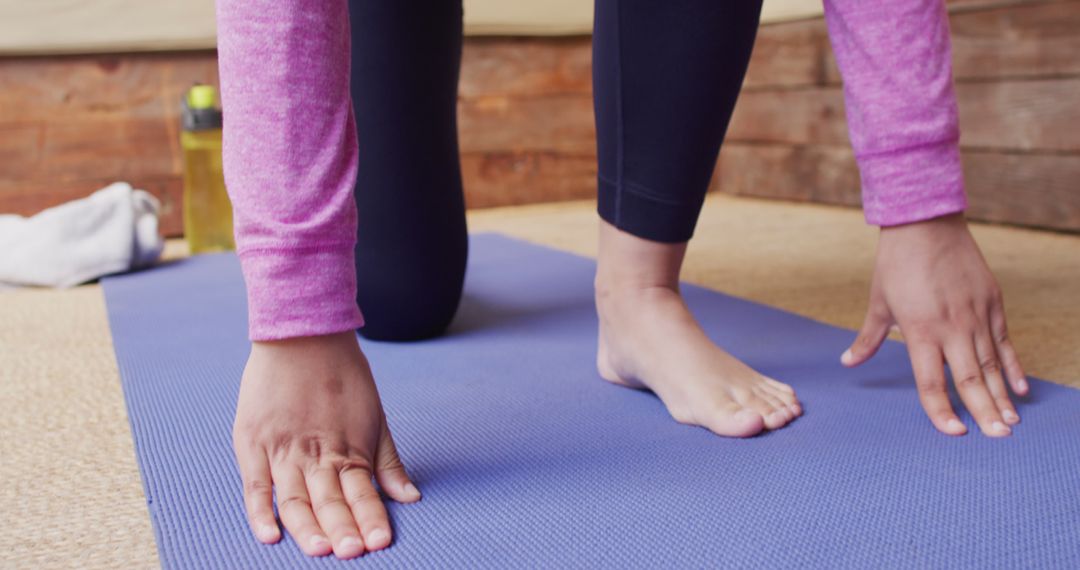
column 377, row 536
column 955, row 425
column 318, row 541
column 351, row 541
column 1010, row 416
column 999, row 427
column 267, row 532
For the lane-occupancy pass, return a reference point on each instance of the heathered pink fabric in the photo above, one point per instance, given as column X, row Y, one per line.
column 896, row 61
column 290, row 145
column 290, row 162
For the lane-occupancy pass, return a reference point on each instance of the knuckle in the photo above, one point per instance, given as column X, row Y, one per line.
column 968, row 380
column 324, row 503
column 931, row 383
column 351, row 466
column 293, row 501
column 362, row 497
column 990, row 366
column 258, row 487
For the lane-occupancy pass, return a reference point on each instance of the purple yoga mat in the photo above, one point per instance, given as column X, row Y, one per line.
column 528, row 460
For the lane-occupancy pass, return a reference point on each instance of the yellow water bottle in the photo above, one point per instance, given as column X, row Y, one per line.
column 207, row 211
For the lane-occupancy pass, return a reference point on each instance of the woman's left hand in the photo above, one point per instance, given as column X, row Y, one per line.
column 932, row 282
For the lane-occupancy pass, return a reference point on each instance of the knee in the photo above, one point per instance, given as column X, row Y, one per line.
column 412, row 302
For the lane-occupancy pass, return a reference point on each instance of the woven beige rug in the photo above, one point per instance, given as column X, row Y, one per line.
column 69, row 484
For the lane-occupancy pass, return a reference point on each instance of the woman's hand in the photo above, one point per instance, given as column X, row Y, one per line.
column 309, row 425
column 931, row 281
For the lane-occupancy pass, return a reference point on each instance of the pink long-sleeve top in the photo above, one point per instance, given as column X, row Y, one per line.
column 290, row 146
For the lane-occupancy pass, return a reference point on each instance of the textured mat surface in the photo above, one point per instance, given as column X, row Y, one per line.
column 527, row 459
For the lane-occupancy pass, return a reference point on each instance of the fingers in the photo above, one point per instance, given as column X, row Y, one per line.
column 992, row 374
column 1010, row 363
column 390, row 472
column 366, row 507
column 294, row 506
column 971, row 385
column 926, row 362
column 333, row 513
column 873, row 332
column 258, row 493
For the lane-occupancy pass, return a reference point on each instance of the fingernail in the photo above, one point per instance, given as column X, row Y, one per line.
column 318, row 541
column 846, row 357
column 267, row 532
column 999, row 427
column 378, row 537
column 411, row 490
column 954, row 425
column 1010, row 416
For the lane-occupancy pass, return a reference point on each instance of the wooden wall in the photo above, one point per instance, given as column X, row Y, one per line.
column 71, row 124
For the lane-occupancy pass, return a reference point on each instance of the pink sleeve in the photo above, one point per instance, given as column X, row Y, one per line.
column 895, row 58
column 290, row 159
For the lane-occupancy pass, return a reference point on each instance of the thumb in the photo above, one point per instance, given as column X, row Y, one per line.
column 873, row 332
column 390, row 472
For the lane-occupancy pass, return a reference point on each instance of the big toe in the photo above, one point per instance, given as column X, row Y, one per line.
column 732, row 420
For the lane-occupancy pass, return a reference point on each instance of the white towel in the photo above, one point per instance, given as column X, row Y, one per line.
column 113, row 230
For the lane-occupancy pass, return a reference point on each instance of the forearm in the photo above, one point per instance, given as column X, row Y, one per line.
column 290, row 156
column 895, row 59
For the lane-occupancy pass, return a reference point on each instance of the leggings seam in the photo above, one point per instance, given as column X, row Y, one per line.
column 643, row 192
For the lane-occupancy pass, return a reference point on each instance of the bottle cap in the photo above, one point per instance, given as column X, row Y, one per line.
column 198, row 110
column 202, row 97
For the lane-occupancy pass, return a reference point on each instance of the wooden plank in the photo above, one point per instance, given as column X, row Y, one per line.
column 147, row 86
column 804, row 173
column 525, row 67
column 123, row 149
column 1037, row 190
column 792, row 54
column 562, row 123
column 508, row 178
column 20, row 148
column 1032, row 40
column 1024, row 189
column 803, row 116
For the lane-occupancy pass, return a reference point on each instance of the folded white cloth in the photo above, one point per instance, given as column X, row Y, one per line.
column 112, row 230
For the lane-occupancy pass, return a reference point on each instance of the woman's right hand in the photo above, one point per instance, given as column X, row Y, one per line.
column 309, row 424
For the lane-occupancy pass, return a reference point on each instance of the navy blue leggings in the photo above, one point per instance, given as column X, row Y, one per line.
column 666, row 74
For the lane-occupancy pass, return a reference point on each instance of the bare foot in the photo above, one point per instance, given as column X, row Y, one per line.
column 649, row 339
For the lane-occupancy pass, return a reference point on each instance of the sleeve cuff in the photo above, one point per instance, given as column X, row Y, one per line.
column 912, row 185
column 294, row 292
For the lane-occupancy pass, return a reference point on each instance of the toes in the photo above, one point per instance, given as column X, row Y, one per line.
column 786, row 395
column 732, row 420
column 780, row 386
column 775, row 414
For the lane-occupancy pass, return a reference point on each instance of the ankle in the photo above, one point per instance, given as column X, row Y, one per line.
column 629, row 265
